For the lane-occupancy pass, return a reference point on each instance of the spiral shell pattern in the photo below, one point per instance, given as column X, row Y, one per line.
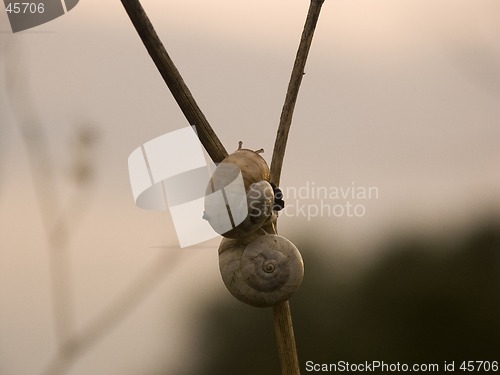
column 261, row 269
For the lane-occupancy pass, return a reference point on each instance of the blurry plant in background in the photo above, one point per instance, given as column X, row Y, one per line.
column 4, row 53
column 60, row 219
column 61, row 214
column 423, row 301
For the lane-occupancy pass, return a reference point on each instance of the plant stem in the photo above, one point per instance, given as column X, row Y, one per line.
column 42, row 173
column 114, row 314
column 286, row 339
column 174, row 80
column 293, row 90
column 282, row 315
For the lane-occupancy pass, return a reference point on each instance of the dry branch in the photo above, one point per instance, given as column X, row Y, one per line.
column 174, row 80
column 293, row 90
column 282, row 315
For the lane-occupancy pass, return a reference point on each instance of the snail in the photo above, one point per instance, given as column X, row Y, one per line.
column 260, row 269
column 239, row 198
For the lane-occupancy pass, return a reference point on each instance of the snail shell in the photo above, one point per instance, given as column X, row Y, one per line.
column 260, row 270
column 239, row 214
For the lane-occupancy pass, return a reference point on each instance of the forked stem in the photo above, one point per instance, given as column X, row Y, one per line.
column 282, row 315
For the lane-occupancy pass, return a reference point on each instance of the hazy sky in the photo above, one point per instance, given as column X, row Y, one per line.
column 398, row 95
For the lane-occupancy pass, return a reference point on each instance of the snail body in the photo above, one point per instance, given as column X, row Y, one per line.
column 237, row 206
column 260, row 269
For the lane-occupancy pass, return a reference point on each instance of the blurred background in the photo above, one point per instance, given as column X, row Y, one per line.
column 399, row 96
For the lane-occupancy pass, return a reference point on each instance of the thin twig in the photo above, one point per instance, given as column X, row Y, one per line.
column 174, row 80
column 108, row 319
column 42, row 169
column 282, row 315
column 285, row 338
column 293, row 90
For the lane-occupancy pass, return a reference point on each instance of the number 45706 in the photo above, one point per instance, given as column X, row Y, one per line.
column 479, row 366
column 25, row 8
